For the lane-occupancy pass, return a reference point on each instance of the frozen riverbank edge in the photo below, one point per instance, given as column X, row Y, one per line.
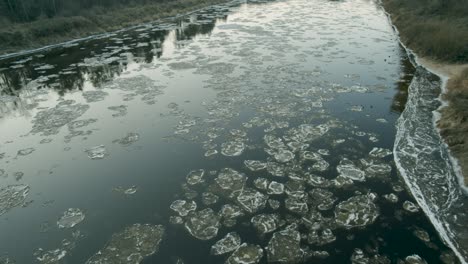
column 437, row 185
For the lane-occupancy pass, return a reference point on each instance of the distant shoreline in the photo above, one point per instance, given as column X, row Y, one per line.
column 21, row 37
column 444, row 51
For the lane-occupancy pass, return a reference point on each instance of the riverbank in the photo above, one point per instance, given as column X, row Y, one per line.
column 15, row 37
column 438, row 33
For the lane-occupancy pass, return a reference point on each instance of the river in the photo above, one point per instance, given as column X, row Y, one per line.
column 248, row 132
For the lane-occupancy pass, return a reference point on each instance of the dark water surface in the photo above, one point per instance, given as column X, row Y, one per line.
column 109, row 129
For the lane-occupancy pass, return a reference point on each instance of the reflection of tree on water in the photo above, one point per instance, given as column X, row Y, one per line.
column 97, row 60
column 401, row 96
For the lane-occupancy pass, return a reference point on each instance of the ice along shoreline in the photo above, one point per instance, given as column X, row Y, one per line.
column 408, row 149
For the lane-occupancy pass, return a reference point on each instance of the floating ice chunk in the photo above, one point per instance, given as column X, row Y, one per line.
column 73, row 125
column 230, row 181
column 128, row 140
column 359, row 89
column 238, row 133
column 297, row 146
column 324, row 152
column 357, row 211
column 342, row 181
column 327, row 237
column 246, row 254
column 70, row 218
column 422, row 235
column 252, row 200
column 229, row 243
column 265, row 223
column 391, row 197
column 376, row 168
column 358, row 257
column 347, row 169
column 356, row 108
column 232, row 148
column 25, row 152
column 414, row 259
column 296, row 205
column 183, row 208
column 321, row 254
column 127, row 191
column 274, row 204
column 309, row 155
column 275, row 169
column 229, row 211
column 283, row 155
column 320, row 165
column 120, row 109
column 98, row 152
column 203, row 224
column 195, row 177
column 284, row 246
column 410, row 207
column 12, row 196
column 261, row 184
column 275, row 188
column 131, row 245
column 49, row 122
column 380, row 152
column 381, row 120
column 313, row 220
column 209, row 198
column 51, row 256
column 211, row 152
column 317, row 181
column 176, row 220
column 94, row 96
column 273, row 142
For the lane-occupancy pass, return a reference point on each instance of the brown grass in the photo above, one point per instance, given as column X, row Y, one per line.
column 454, row 120
column 433, row 28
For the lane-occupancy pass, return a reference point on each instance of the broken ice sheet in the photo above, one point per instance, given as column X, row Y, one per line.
column 229, row 243
column 246, row 254
column 203, row 224
column 357, row 211
column 131, row 245
column 12, row 196
column 98, row 152
column 70, row 218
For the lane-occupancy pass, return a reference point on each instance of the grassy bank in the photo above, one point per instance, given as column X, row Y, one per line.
column 432, row 28
column 438, row 30
column 454, row 121
column 16, row 36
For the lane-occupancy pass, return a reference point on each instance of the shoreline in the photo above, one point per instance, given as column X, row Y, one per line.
column 448, row 72
column 95, row 29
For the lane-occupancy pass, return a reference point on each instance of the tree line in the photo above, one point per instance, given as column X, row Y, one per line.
column 31, row 10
